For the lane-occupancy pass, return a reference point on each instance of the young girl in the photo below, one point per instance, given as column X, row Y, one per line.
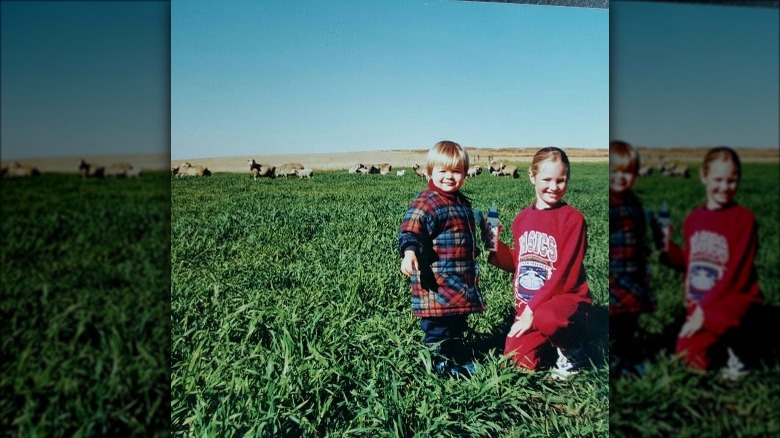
column 721, row 242
column 629, row 280
column 551, row 292
column 438, row 244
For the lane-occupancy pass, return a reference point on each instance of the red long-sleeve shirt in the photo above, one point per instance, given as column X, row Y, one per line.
column 719, row 254
column 547, row 258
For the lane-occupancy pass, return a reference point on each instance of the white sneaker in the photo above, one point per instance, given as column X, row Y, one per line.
column 564, row 368
column 734, row 369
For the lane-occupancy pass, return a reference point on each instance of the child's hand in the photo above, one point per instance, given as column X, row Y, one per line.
column 523, row 323
column 666, row 236
column 409, row 264
column 693, row 323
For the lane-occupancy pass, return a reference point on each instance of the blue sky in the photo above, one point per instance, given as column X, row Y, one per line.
column 694, row 75
column 93, row 77
column 81, row 78
column 253, row 77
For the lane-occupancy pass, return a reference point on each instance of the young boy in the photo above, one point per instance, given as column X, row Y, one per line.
column 629, row 285
column 438, row 244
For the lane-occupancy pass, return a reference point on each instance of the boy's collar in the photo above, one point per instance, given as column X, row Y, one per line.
column 448, row 195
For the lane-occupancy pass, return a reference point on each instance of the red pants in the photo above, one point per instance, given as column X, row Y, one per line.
column 558, row 322
column 697, row 350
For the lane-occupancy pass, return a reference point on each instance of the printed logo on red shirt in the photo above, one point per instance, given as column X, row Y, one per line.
column 538, row 252
column 709, row 254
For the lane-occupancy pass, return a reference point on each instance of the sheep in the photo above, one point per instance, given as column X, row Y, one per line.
column 193, row 170
column 133, row 172
column 354, row 169
column 364, row 170
column 254, row 167
column 90, row 170
column 288, row 169
column 16, row 169
column 400, row 172
column 174, row 170
column 261, row 170
column 420, row 171
column 495, row 167
column 645, row 171
column 474, row 171
column 673, row 169
column 510, row 171
column 121, row 169
column 681, row 171
column 305, row 172
column 383, row 168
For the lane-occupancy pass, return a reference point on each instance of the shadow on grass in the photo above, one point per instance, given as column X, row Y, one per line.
column 595, row 338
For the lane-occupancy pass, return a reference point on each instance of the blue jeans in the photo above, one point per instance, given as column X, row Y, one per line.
column 444, row 334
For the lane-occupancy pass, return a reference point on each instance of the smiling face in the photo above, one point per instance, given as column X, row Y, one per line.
column 620, row 179
column 721, row 181
column 448, row 180
column 549, row 183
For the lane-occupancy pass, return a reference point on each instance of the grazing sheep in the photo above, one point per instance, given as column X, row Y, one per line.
column 354, row 169
column 121, row 169
column 383, row 168
column 16, row 169
column 188, row 169
column 288, row 169
column 420, row 171
column 400, row 172
column 681, row 171
column 673, row 169
column 254, row 167
column 510, row 171
column 645, row 171
column 495, row 167
column 261, row 170
column 174, row 170
column 305, row 173
column 364, row 170
column 474, row 171
column 133, row 172
column 90, row 170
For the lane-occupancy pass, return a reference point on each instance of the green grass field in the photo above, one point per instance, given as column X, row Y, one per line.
column 280, row 311
column 291, row 317
column 668, row 400
column 85, row 308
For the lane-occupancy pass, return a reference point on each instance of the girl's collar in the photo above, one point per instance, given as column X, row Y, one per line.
column 554, row 207
column 725, row 207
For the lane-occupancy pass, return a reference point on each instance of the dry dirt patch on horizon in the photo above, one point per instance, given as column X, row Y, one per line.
column 396, row 158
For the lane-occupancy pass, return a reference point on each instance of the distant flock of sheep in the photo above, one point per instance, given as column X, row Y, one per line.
column 666, row 168
column 87, row 170
column 116, row 170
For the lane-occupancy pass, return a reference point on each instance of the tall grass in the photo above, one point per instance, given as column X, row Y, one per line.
column 291, row 317
column 85, row 284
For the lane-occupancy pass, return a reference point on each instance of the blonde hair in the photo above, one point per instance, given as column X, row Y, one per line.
column 448, row 155
column 622, row 156
column 723, row 153
column 549, row 154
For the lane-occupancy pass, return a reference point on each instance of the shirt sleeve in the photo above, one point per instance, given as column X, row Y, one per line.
column 504, row 258
column 416, row 227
